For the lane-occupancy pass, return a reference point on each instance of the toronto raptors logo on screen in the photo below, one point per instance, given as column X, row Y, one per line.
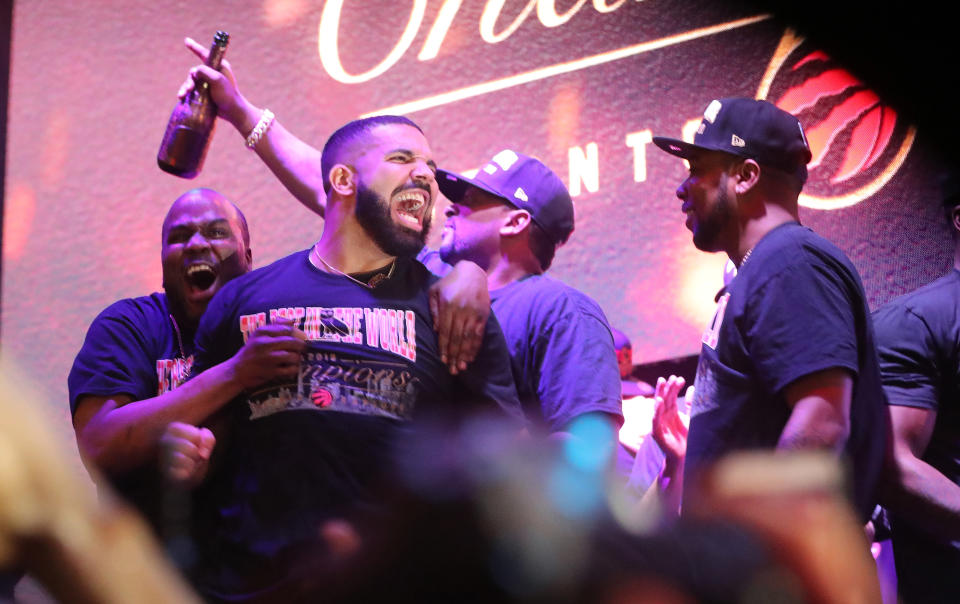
column 858, row 142
column 322, row 397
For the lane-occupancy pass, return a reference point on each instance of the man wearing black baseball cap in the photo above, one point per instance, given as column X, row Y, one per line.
column 510, row 219
column 789, row 360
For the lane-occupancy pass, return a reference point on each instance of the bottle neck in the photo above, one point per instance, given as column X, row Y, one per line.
column 216, row 55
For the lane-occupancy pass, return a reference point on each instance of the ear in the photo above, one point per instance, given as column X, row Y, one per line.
column 249, row 258
column 342, row 179
column 747, row 175
column 515, row 222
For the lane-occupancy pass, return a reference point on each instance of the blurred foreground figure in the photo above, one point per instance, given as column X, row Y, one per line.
column 498, row 519
column 52, row 525
column 494, row 519
column 789, row 360
column 918, row 337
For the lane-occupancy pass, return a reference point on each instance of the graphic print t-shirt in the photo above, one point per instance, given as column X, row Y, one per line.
column 303, row 449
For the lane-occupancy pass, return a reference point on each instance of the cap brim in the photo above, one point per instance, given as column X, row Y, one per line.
column 453, row 186
column 676, row 147
column 685, row 150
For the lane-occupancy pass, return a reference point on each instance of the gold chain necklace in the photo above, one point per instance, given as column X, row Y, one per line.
column 176, row 328
column 372, row 283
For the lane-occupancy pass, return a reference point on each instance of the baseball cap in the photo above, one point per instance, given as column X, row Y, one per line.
column 748, row 128
column 524, row 182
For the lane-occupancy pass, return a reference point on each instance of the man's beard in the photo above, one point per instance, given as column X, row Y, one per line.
column 709, row 232
column 373, row 214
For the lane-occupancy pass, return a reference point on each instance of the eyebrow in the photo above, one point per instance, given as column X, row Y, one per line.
column 409, row 153
column 192, row 224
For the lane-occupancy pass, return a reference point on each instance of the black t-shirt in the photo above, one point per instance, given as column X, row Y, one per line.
column 918, row 338
column 561, row 348
column 796, row 307
column 132, row 348
column 301, row 451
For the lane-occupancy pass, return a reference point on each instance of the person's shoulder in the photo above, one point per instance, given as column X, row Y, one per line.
column 548, row 295
column 940, row 297
column 135, row 309
column 296, row 261
column 571, row 294
column 793, row 249
column 817, row 244
column 793, row 242
column 274, row 270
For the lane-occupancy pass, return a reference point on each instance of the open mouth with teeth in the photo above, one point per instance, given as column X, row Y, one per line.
column 200, row 276
column 410, row 206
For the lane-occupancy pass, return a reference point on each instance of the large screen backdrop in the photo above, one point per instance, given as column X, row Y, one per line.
column 581, row 84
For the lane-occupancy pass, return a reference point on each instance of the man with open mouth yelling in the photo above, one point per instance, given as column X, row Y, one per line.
column 394, row 213
column 399, row 226
column 205, row 244
column 125, row 384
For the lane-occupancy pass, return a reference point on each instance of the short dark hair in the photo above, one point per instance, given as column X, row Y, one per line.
column 350, row 132
column 541, row 245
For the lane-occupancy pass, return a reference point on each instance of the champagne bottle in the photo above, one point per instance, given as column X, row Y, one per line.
column 191, row 124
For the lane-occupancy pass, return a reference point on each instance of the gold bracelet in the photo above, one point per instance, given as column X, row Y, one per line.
column 266, row 119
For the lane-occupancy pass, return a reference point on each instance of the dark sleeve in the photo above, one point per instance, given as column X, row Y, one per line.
column 488, row 380
column 116, row 357
column 578, row 370
column 801, row 322
column 907, row 351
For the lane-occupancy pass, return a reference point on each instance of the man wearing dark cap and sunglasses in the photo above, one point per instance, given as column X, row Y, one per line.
column 510, row 219
column 789, row 360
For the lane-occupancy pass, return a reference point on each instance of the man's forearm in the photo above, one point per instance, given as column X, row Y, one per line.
column 119, row 438
column 295, row 163
column 922, row 496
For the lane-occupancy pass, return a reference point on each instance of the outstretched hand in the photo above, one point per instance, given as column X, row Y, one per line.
column 271, row 352
column 669, row 428
column 231, row 105
column 460, row 306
